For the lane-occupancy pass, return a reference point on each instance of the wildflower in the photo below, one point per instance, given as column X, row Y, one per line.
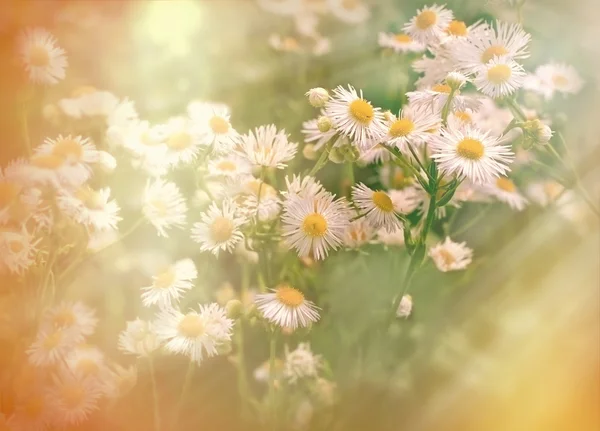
column 377, row 206
column 91, row 208
column 286, row 307
column 317, row 97
column 168, row 285
column 139, row 338
column 405, row 306
column 349, row 11
column 73, row 398
column 429, row 24
column 214, row 126
column 267, row 147
column 505, row 191
column 164, row 206
column 413, row 126
column 301, row 363
column 219, row 229
column 451, row 256
column 358, row 233
column 44, row 61
column 500, row 77
column 71, row 316
column 400, row 42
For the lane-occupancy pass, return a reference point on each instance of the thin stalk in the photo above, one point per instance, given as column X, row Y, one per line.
column 414, row 154
column 184, row 390
column 408, row 276
column 322, row 160
column 516, row 109
column 272, row 407
column 446, row 108
column 154, row 394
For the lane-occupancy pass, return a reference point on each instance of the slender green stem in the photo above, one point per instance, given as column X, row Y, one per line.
column 408, row 276
column 516, row 109
column 430, row 216
column 414, row 154
column 350, row 167
column 446, row 108
column 184, row 390
column 322, row 159
column 154, row 393
column 272, row 398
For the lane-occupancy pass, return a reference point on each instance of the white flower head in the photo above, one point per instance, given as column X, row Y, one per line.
column 545, row 192
column 219, row 229
column 52, row 345
column 358, row 233
column 301, row 363
column 72, row 316
column 393, row 238
column 558, row 77
column 500, row 77
column 44, row 61
column 429, row 25
column 92, row 208
column 73, row 398
column 503, row 189
column 471, row 153
column 164, row 206
column 317, row 97
column 405, row 306
column 451, row 256
column 303, row 187
column 229, row 167
column 314, row 224
column 138, row 338
column 214, row 125
column 183, row 139
column 286, row 307
column 355, row 117
column 86, row 361
column 400, row 42
column 413, row 126
column 349, row 11
column 405, row 200
column 377, row 206
column 267, row 147
column 169, row 284
column 312, row 134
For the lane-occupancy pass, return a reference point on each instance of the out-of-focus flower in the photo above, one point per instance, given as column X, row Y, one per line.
column 399, row 43
column 430, row 23
column 301, row 363
column 169, row 284
column 506, row 191
column 451, row 256
column 44, row 61
column 219, row 229
column 405, row 306
column 138, row 338
column 267, row 147
column 164, row 206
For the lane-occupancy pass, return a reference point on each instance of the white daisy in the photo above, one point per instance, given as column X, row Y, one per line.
column 558, row 77
column 434, row 69
column 471, row 153
column 405, row 307
column 377, row 154
column 451, row 256
column 500, row 77
column 139, row 338
column 303, row 187
column 213, row 122
column 503, row 189
column 413, row 126
column 52, row 345
column 164, row 206
column 349, row 11
column 183, row 139
column 120, row 381
column 88, row 101
column 435, row 97
column 44, row 61
column 267, row 147
column 399, row 42
column 355, row 117
column 286, row 307
column 195, row 334
column 169, row 285
column 92, row 208
column 18, row 248
column 301, row 363
column 429, row 25
column 391, row 238
column 229, row 167
column 266, row 208
column 314, row 224
column 377, row 206
column 544, row 192
column 405, row 200
column 86, row 361
column 71, row 316
column 358, row 233
column 459, row 30
column 73, row 398
column 507, row 40
column 219, row 229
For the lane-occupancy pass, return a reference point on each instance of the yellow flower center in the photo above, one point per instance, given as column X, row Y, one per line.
column 219, row 125
column 265, row 190
column 90, row 198
column 426, row 19
column 560, row 81
column 290, row 44
column 83, row 90
column 314, row 225
column 447, row 257
column 506, row 185
column 552, row 190
column 160, row 207
column 289, row 296
column 471, row 149
column 191, row 326
column 221, row 229
column 34, row 406
column 52, row 340
column 8, row 194
column 362, row 111
column 87, row 367
column 401, row 127
column 165, row 279
column 226, row 165
column 68, row 149
column 49, row 161
column 179, row 141
column 402, row 38
column 72, row 395
column 441, row 88
column 383, row 201
column 493, row 51
column 358, row 235
column 457, row 28
column 499, row 74
column 38, row 56
column 16, row 246
column 64, row 319
column 463, row 116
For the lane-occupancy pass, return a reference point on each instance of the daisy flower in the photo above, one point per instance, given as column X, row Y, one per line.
column 314, row 224
column 183, row 140
column 86, row 362
column 451, row 256
column 120, row 381
column 267, row 147
column 91, row 208
column 429, row 25
column 434, row 99
column 301, row 363
column 312, row 134
column 71, row 316
column 507, row 40
column 459, row 30
column 358, row 233
column 491, row 117
column 471, row 153
column 544, row 192
column 213, row 122
column 219, row 229
column 195, row 334
column 399, row 42
column 413, row 126
column 138, row 338
column 169, row 285
column 75, row 150
column 52, row 345
column 265, row 207
column 73, row 398
column 303, row 187
column 558, row 77
column 377, row 206
column 505, row 191
column 285, row 306
column 377, row 154
column 44, row 61
column 405, row 200
column 88, row 101
column 349, row 11
column 500, row 77
column 405, row 307
column 229, row 167
column 436, row 68
column 18, row 248
column 355, row 117
column 164, row 206
column 391, row 238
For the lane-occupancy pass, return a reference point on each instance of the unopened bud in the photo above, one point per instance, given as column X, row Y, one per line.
column 388, row 116
column 234, row 309
column 317, row 97
column 336, row 155
column 405, row 306
column 455, row 80
column 324, row 124
column 309, row 152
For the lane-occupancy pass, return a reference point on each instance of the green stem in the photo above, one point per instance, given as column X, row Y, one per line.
column 516, row 109
column 414, row 154
column 446, row 108
column 322, row 159
column 154, row 394
column 408, row 276
column 184, row 390
column 272, row 407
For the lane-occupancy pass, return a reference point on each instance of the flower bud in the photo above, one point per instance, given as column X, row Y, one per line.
column 309, row 152
column 324, row 124
column 336, row 155
column 405, row 306
column 455, row 80
column 317, row 97
column 234, row 309
column 388, row 116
